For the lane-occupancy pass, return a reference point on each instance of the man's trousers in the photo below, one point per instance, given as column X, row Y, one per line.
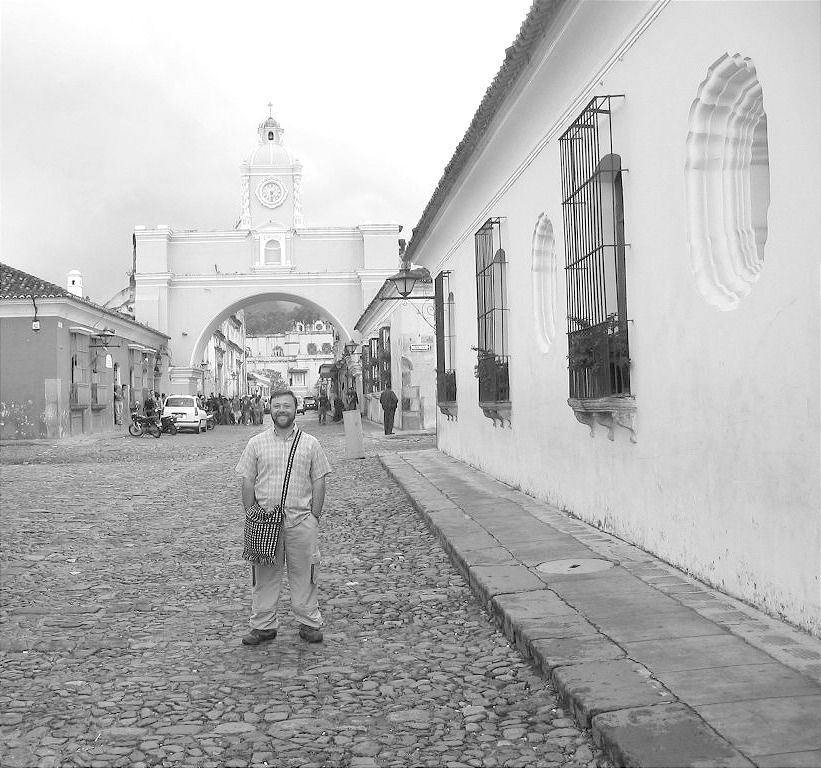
column 297, row 551
column 387, row 420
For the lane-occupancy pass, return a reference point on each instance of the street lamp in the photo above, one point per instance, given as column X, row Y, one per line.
column 405, row 281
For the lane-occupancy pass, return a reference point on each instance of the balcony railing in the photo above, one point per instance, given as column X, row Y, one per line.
column 494, row 381
column 79, row 395
column 599, row 360
column 99, row 395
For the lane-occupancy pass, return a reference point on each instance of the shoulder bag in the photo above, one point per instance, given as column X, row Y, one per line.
column 263, row 526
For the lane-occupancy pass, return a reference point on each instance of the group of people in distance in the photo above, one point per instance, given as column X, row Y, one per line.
column 248, row 409
column 339, row 405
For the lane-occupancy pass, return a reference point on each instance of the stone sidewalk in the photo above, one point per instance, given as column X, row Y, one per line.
column 663, row 669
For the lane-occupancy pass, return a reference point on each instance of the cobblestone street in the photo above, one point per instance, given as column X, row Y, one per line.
column 124, row 599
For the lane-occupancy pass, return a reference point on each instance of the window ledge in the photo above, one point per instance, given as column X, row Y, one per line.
column 497, row 411
column 609, row 412
column 451, row 410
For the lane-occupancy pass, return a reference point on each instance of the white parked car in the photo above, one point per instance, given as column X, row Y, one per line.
column 187, row 412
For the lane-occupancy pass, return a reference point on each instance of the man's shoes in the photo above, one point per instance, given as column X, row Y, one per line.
column 311, row 634
column 257, row 636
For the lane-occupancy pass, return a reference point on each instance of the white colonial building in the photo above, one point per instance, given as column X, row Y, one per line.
column 626, row 262
column 296, row 355
column 399, row 353
column 224, row 365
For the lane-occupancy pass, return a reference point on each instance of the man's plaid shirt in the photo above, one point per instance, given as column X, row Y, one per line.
column 264, row 460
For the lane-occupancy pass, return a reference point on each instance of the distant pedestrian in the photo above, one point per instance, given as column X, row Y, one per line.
column 118, row 404
column 263, row 468
column 338, row 406
column 323, row 407
column 353, row 400
column 389, row 402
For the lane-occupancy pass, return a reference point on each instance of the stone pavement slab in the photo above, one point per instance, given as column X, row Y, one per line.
column 639, row 624
column 665, row 736
column 737, row 683
column 749, row 723
column 668, row 671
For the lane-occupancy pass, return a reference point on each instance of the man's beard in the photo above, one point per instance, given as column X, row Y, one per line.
column 290, row 419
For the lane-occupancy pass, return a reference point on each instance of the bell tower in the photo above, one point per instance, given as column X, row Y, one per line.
column 271, row 187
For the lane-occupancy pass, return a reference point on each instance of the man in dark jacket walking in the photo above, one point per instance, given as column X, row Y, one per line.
column 389, row 401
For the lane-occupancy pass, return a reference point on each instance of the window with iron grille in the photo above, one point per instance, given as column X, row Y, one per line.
column 492, row 314
column 373, row 356
column 384, row 357
column 593, row 210
column 445, row 340
column 366, row 370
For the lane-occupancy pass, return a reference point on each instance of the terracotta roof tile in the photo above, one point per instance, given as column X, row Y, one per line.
column 16, row 284
column 517, row 57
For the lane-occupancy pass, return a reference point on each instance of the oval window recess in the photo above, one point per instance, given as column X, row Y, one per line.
column 727, row 174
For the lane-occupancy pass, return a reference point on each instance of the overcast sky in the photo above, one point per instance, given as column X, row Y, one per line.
column 123, row 113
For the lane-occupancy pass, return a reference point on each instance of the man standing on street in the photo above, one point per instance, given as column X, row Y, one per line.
column 262, row 467
column 389, row 402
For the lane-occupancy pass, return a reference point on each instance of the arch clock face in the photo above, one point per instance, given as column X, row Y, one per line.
column 271, row 193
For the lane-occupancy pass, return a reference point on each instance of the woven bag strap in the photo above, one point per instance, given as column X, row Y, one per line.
column 288, row 468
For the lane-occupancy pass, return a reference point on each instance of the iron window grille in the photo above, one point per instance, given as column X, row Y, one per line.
column 492, row 314
column 367, row 381
column 384, row 357
column 593, row 211
column 445, row 340
column 373, row 357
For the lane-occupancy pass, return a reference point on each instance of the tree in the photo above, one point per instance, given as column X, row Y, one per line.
column 277, row 381
column 280, row 319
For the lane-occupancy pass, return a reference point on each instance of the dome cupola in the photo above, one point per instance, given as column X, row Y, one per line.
column 269, row 150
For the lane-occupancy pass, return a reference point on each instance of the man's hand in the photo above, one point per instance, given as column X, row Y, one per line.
column 317, row 496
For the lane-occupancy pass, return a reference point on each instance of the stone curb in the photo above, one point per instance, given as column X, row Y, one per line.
column 613, row 696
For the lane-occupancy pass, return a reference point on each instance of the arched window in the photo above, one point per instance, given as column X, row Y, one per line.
column 279, row 352
column 273, row 252
column 492, row 313
column 597, row 338
column 545, row 282
column 727, row 174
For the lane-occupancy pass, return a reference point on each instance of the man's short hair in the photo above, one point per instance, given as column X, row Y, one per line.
column 280, row 393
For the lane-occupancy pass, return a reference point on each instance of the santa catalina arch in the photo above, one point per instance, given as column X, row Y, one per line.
column 188, row 282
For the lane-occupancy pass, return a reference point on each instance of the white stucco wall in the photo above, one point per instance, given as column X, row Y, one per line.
column 724, row 478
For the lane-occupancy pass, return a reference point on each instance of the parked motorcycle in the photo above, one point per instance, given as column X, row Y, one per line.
column 143, row 425
column 168, row 424
column 210, row 420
